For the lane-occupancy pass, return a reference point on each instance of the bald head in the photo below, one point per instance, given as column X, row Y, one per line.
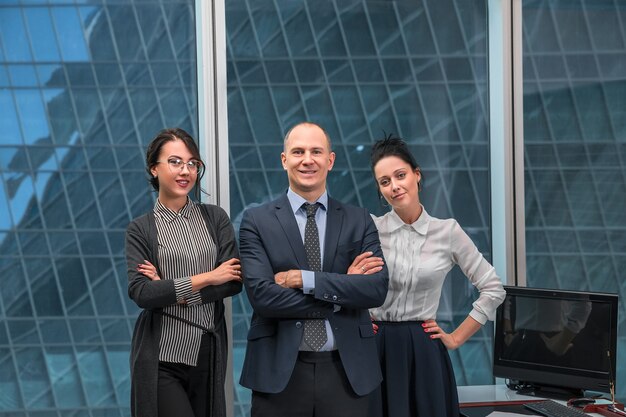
column 304, row 125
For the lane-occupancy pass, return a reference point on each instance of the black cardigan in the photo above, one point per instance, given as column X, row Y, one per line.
column 152, row 296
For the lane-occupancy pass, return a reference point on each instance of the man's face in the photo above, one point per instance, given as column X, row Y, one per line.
column 307, row 159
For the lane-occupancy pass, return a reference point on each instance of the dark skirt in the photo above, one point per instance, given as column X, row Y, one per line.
column 418, row 379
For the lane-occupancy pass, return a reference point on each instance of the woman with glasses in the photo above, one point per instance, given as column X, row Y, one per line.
column 420, row 250
column 182, row 262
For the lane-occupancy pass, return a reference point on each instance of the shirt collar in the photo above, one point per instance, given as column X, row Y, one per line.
column 296, row 201
column 420, row 225
column 170, row 215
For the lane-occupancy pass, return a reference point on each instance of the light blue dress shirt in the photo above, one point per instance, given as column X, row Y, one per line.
column 308, row 277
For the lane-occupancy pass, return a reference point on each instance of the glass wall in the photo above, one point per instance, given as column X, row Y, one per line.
column 575, row 148
column 83, row 88
column 362, row 69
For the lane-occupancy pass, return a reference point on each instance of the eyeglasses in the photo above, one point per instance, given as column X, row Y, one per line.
column 176, row 165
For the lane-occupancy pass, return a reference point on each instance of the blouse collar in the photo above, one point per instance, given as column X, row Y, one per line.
column 420, row 225
column 170, row 215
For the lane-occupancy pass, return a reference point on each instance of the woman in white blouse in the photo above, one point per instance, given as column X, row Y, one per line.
column 420, row 250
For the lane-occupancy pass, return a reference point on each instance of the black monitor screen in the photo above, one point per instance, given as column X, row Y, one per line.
column 557, row 338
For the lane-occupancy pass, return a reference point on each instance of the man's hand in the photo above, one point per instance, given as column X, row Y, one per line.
column 289, row 279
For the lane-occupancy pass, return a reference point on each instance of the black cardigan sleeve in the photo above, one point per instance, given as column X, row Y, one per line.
column 140, row 237
column 146, row 293
column 224, row 235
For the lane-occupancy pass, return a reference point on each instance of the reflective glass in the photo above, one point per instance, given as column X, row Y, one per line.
column 40, row 22
column 70, row 34
column 76, row 78
column 360, row 68
column 33, row 377
column 575, row 175
column 14, row 36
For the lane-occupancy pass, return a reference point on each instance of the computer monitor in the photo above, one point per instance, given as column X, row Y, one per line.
column 555, row 340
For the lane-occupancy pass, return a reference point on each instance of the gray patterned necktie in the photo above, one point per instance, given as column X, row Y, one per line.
column 314, row 330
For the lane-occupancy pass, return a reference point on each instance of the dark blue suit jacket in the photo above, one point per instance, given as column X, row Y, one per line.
column 270, row 242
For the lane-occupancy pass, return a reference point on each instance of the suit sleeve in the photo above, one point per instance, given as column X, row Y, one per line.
column 227, row 246
column 356, row 291
column 267, row 298
column 145, row 292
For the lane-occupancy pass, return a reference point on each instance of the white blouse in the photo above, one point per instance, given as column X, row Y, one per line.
column 419, row 256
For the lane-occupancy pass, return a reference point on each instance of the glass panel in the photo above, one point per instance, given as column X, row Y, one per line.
column 361, row 68
column 61, row 362
column 33, row 377
column 14, row 37
column 70, row 34
column 75, row 78
column 39, row 22
column 96, row 376
column 32, row 115
column 11, row 397
column 575, row 175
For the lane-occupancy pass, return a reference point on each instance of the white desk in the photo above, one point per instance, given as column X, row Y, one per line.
column 472, row 395
column 490, row 395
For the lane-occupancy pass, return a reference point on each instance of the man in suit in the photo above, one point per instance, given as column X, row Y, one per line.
column 311, row 349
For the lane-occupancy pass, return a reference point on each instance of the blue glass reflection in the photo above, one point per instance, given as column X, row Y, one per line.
column 4, row 76
column 64, row 377
column 70, row 34
column 51, row 222
column 5, row 217
column 32, row 115
column 38, row 19
column 9, row 124
column 14, row 37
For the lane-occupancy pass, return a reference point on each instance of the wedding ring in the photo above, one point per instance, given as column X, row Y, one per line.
column 363, row 268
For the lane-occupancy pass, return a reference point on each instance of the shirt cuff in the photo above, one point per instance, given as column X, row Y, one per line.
column 194, row 299
column 182, row 286
column 308, row 282
column 478, row 316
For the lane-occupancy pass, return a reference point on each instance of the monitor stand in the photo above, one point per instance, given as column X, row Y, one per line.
column 550, row 391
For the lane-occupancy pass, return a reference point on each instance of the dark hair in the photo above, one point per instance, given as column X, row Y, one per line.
column 154, row 151
column 392, row 145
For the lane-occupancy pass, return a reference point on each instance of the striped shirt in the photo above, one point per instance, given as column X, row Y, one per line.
column 185, row 249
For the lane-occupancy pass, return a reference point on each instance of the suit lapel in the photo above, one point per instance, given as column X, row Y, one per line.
column 334, row 221
column 288, row 222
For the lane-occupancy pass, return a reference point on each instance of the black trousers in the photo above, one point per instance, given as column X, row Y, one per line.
column 318, row 387
column 183, row 389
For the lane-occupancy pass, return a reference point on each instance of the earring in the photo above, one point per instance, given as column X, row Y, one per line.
column 383, row 202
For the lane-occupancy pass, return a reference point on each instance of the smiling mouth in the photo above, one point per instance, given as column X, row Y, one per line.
column 183, row 183
column 397, row 196
column 307, row 172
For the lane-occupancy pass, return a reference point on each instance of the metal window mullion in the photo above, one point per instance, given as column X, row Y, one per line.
column 501, row 134
column 517, row 114
column 212, row 103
